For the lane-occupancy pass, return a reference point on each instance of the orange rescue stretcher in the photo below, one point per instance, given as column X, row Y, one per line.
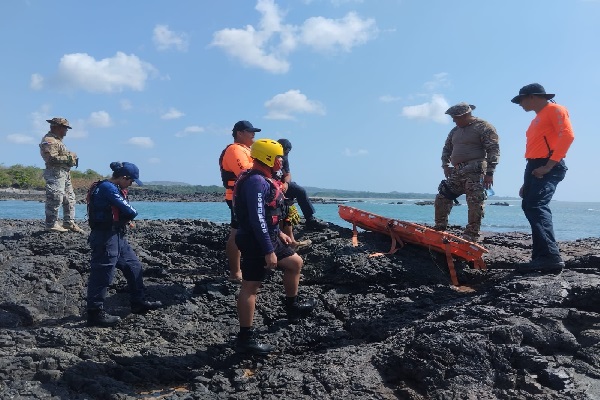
column 402, row 231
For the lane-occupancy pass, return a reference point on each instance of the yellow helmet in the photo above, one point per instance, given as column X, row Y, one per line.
column 266, row 151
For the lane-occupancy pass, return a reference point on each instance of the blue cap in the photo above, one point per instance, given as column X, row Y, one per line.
column 126, row 169
column 244, row 126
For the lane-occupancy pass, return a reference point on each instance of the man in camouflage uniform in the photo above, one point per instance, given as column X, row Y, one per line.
column 57, row 174
column 469, row 158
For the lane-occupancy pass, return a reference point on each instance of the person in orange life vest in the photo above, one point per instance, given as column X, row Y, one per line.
column 258, row 204
column 548, row 139
column 234, row 159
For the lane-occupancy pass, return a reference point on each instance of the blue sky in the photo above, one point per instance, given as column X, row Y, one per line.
column 359, row 87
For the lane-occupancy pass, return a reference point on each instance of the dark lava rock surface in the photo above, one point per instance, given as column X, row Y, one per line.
column 386, row 327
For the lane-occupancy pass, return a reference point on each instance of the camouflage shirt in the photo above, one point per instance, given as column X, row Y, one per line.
column 476, row 141
column 55, row 153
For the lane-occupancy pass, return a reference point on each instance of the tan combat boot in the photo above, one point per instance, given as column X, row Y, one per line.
column 72, row 226
column 56, row 228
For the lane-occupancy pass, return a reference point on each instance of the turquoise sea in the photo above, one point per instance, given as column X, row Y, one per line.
column 572, row 220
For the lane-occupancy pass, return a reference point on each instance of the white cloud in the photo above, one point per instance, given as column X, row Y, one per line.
column 18, row 138
column 386, row 98
column 37, row 82
column 432, row 110
column 268, row 46
column 328, row 35
column 247, row 46
column 39, row 117
column 100, row 119
column 141, row 141
column 165, row 39
column 340, row 2
column 285, row 105
column 109, row 75
column 438, row 81
column 190, row 130
column 355, row 153
column 172, row 113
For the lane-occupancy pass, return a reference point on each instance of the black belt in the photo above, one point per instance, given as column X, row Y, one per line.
column 462, row 165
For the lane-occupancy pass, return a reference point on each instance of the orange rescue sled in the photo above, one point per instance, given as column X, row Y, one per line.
column 402, row 231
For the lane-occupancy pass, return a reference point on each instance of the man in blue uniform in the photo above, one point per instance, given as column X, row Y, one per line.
column 258, row 204
column 110, row 214
column 294, row 191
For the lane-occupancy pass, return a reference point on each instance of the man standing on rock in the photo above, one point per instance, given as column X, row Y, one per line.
column 258, row 203
column 57, row 175
column 235, row 159
column 110, row 214
column 469, row 158
column 548, row 139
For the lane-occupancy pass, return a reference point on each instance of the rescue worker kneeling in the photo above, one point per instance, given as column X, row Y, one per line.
column 258, row 203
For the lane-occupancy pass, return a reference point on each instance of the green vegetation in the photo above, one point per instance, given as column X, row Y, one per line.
column 21, row 177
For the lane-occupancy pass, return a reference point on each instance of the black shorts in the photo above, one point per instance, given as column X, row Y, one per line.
column 253, row 260
column 234, row 223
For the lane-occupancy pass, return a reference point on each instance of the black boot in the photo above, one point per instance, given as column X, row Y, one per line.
column 142, row 307
column 300, row 308
column 315, row 224
column 247, row 343
column 99, row 317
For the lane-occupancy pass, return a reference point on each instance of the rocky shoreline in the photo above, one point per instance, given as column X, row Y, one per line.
column 386, row 327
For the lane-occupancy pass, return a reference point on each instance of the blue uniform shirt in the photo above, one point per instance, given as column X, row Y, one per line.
column 108, row 204
column 254, row 194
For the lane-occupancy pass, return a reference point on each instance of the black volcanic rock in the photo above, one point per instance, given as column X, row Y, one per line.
column 386, row 327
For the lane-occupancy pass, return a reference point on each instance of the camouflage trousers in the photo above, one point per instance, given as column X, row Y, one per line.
column 468, row 181
column 59, row 190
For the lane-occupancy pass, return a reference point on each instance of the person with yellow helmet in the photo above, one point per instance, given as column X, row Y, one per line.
column 258, row 204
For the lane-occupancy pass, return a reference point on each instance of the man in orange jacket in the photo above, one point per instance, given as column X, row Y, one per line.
column 549, row 137
column 233, row 161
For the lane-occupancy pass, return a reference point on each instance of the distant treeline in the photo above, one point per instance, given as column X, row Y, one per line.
column 22, row 177
column 31, row 178
column 348, row 194
column 26, row 177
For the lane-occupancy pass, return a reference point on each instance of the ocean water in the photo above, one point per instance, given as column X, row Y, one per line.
column 572, row 220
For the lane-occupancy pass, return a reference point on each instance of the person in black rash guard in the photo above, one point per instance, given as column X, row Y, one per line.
column 258, row 204
column 294, row 191
column 110, row 214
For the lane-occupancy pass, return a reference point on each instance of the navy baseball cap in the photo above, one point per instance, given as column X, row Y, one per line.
column 244, row 126
column 126, row 169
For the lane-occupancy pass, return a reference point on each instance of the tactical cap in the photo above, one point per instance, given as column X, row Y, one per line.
column 59, row 121
column 244, row 126
column 126, row 169
column 460, row 109
column 532, row 88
